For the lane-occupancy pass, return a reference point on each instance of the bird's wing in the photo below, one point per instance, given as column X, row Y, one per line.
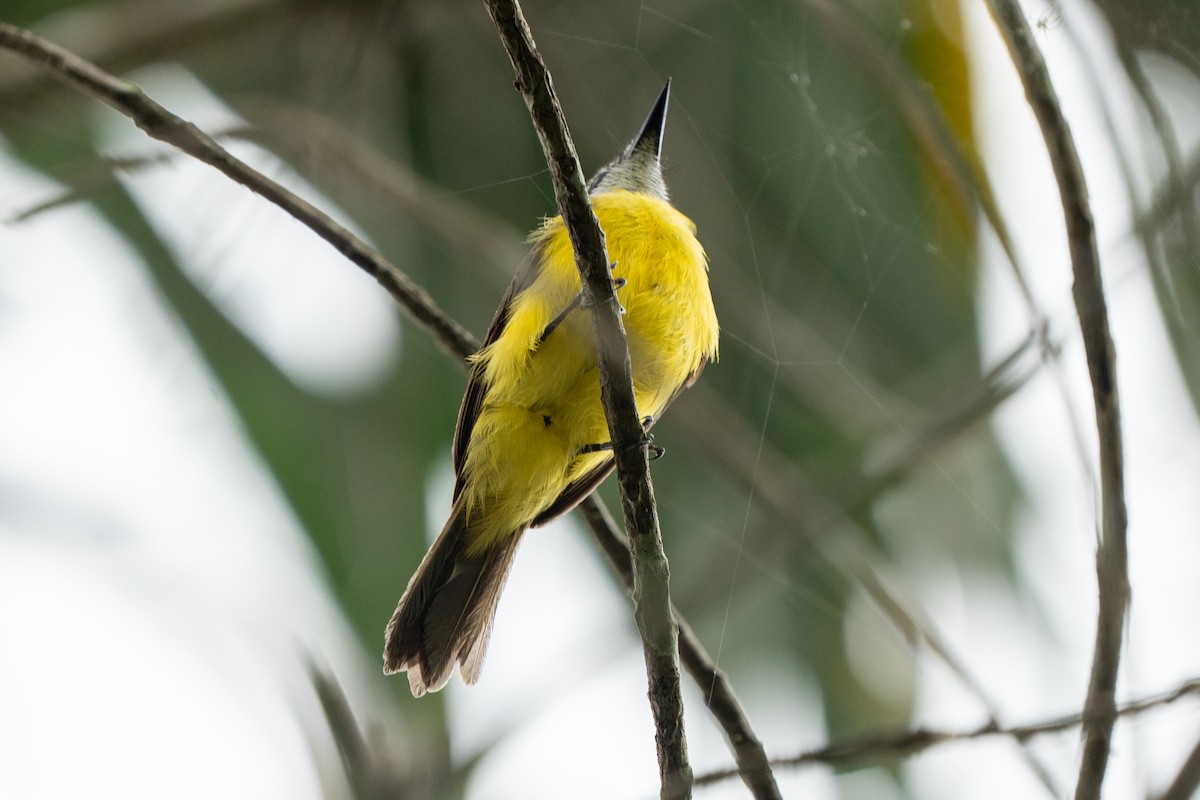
column 468, row 412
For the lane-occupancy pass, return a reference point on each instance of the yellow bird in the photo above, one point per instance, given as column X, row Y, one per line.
column 532, row 441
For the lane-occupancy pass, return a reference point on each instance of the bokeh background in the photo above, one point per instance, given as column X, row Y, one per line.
column 223, row 449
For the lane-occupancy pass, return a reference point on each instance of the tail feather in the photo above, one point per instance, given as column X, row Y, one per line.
column 445, row 616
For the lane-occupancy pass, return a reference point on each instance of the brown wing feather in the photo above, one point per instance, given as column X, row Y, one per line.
column 446, row 613
column 468, row 412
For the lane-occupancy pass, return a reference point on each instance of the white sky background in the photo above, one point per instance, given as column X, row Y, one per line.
column 154, row 584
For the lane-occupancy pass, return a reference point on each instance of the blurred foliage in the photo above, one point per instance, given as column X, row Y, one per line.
column 1158, row 44
column 842, row 267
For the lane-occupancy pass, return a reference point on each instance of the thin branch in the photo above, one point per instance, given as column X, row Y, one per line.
column 1168, row 201
column 1167, row 140
column 1111, row 553
column 752, row 762
column 652, row 601
column 1171, row 254
column 311, row 142
column 325, row 145
column 161, row 124
column 351, row 744
column 87, row 181
column 911, row 742
column 368, row 779
column 995, row 387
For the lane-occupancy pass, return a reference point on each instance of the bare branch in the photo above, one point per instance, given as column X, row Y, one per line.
column 318, row 141
column 370, row 772
column 652, row 601
column 748, row 752
column 908, row 743
column 88, row 180
column 161, row 124
column 1111, row 554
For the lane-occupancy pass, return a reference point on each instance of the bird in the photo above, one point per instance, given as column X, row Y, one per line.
column 532, row 441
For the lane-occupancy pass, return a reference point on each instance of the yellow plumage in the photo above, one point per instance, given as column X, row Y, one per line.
column 543, row 401
column 531, row 427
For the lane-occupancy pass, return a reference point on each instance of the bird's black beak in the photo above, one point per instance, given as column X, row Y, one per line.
column 638, row 167
column 650, row 138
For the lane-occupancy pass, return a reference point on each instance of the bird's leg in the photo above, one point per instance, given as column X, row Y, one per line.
column 647, row 441
column 554, row 323
column 617, row 284
column 576, row 302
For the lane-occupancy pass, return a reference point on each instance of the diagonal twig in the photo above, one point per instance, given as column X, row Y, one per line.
column 371, row 774
column 752, row 762
column 908, row 743
column 159, row 123
column 1088, row 290
column 318, row 141
column 652, row 600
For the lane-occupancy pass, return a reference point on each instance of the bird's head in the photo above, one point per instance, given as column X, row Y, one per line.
column 638, row 168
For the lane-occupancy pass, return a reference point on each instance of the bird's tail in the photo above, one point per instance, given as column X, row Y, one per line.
column 446, row 613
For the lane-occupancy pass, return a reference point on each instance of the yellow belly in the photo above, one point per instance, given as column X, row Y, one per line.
column 542, row 402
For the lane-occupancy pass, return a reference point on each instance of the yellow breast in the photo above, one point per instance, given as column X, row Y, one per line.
column 669, row 317
column 542, row 401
